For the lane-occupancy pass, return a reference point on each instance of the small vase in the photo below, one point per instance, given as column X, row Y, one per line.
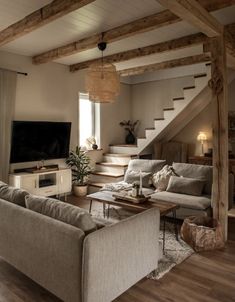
column 130, row 138
column 94, row 147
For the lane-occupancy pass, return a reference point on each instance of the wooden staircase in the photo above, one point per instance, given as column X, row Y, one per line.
column 194, row 98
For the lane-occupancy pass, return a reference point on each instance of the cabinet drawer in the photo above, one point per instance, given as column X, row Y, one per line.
column 48, row 191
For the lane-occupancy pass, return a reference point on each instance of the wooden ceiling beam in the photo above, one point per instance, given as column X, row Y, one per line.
column 138, row 26
column 194, row 13
column 145, row 51
column 165, row 65
column 40, row 17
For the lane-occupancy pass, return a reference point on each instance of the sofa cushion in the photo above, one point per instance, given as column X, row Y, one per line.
column 61, row 211
column 12, row 194
column 146, row 165
column 196, row 171
column 161, row 178
column 133, row 176
column 185, row 185
column 183, row 200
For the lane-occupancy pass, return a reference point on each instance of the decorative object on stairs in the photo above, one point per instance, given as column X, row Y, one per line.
column 202, row 233
column 102, row 80
column 91, row 143
column 130, row 126
column 79, row 162
column 202, row 137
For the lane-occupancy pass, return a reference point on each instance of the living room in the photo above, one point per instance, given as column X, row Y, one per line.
column 168, row 85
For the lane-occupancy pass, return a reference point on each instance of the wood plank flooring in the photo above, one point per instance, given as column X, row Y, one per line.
column 205, row 277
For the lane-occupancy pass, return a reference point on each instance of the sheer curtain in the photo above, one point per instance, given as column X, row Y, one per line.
column 7, row 105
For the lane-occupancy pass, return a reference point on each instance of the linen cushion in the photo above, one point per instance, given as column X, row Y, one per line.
column 196, row 171
column 12, row 194
column 61, row 211
column 132, row 176
column 185, row 185
column 161, row 178
column 183, row 200
column 146, row 165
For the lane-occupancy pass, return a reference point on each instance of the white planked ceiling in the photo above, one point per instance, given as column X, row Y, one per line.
column 96, row 17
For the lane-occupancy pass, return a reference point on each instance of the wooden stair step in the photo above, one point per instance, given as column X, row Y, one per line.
column 108, row 174
column 120, row 155
column 96, row 184
column 107, row 164
column 178, row 98
column 201, row 75
column 189, row 87
column 168, row 109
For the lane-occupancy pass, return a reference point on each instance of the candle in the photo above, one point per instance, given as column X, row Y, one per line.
column 140, row 182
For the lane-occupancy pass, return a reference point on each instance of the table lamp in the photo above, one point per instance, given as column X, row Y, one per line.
column 202, row 137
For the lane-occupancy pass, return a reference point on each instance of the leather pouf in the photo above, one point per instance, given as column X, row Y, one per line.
column 202, row 233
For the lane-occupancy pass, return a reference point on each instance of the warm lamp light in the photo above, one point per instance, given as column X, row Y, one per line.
column 202, row 137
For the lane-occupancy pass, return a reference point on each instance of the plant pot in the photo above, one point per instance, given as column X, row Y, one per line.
column 130, row 138
column 80, row 190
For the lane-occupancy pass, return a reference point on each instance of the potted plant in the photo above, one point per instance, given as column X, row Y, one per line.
column 79, row 163
column 129, row 126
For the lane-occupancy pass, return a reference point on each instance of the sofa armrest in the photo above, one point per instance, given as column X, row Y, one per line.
column 230, row 190
column 118, row 256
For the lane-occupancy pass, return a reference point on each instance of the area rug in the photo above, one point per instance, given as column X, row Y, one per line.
column 175, row 251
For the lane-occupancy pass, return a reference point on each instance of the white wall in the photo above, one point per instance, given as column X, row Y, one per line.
column 50, row 93
column 149, row 99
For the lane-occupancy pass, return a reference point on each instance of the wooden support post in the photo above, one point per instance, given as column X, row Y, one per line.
column 219, row 87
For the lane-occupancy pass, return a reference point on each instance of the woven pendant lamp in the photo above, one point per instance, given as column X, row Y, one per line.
column 102, row 81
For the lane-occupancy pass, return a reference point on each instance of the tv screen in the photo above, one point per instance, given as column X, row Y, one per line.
column 34, row 141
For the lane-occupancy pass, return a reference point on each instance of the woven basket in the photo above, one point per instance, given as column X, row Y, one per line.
column 202, row 233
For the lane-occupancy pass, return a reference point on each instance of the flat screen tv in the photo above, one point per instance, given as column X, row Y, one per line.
column 35, row 141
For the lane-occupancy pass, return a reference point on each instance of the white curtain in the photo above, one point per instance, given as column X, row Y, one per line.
column 7, row 106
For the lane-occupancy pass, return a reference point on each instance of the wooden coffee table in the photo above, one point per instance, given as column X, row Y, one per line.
column 106, row 198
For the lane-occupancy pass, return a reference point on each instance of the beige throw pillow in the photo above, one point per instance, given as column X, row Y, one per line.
column 161, row 178
column 61, row 211
column 183, row 185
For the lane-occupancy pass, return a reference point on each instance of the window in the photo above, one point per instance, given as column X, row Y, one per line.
column 86, row 118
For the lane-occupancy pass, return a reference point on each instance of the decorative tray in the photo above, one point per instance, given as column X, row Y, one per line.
column 126, row 196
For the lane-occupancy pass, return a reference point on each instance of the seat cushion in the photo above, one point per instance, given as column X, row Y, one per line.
column 12, row 194
column 61, row 211
column 183, row 200
column 196, row 171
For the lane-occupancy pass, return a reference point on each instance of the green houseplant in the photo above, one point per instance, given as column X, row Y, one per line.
column 79, row 163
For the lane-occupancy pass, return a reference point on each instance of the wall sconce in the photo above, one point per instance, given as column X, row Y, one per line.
column 202, row 137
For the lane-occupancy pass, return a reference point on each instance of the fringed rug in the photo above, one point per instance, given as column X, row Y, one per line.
column 175, row 251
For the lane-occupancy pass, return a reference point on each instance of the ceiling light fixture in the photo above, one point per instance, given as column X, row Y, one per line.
column 102, row 80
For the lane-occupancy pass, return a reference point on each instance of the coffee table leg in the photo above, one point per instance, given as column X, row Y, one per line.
column 164, row 234
column 175, row 225
column 104, row 208
column 90, row 206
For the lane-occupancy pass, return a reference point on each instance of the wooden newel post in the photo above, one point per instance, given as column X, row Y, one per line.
column 219, row 88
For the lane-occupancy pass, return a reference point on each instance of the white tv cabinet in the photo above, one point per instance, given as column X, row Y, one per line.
column 46, row 183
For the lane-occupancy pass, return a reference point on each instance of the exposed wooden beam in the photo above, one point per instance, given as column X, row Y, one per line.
column 219, row 87
column 139, row 26
column 165, row 65
column 145, row 51
column 193, row 12
column 40, row 17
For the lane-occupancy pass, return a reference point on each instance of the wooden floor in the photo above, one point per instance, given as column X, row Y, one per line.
column 205, row 277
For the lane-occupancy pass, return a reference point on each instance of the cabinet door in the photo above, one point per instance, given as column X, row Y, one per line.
column 29, row 183
column 64, row 181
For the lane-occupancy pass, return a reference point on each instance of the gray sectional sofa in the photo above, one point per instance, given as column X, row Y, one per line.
column 96, row 267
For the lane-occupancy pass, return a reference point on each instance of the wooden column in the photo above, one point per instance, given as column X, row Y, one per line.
column 219, row 87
